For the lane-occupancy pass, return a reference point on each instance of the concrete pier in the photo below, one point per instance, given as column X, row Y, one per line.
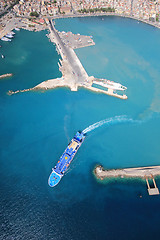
column 61, row 82
column 108, row 92
column 73, row 69
column 154, row 190
column 140, row 172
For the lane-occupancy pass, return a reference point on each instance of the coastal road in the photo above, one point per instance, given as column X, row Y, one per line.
column 78, row 71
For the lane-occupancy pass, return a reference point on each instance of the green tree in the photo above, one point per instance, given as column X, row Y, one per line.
column 91, row 10
column 34, row 14
column 157, row 17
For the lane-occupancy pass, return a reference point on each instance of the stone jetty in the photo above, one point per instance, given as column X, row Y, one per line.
column 147, row 173
column 140, row 172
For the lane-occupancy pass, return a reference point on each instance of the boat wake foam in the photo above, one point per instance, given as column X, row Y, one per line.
column 109, row 122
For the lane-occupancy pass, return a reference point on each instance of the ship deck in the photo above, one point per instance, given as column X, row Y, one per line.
column 67, row 157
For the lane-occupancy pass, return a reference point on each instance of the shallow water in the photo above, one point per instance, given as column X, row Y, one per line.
column 36, row 127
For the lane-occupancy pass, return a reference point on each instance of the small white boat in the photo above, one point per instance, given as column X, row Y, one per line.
column 6, row 39
column 2, row 56
column 12, row 33
column 8, row 35
column 17, row 29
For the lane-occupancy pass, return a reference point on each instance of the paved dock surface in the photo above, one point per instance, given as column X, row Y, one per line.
column 78, row 73
column 76, row 40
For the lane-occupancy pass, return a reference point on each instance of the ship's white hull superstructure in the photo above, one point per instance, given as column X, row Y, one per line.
column 110, row 84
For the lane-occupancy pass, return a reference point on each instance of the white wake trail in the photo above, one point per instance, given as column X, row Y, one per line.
column 108, row 121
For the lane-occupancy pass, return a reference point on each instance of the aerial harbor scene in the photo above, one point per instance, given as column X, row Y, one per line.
column 80, row 119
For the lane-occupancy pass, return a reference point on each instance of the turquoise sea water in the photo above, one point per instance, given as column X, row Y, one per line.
column 36, row 127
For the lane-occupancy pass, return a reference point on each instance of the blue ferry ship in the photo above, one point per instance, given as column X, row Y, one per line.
column 65, row 160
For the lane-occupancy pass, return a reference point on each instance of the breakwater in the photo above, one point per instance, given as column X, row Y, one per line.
column 61, row 82
column 140, row 172
column 147, row 173
column 49, row 84
column 6, row 75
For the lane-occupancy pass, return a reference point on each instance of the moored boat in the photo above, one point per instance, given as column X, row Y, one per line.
column 9, row 35
column 110, row 84
column 6, row 39
column 13, row 33
column 65, row 160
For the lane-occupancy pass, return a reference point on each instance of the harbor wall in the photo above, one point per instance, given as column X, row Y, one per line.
column 140, row 172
